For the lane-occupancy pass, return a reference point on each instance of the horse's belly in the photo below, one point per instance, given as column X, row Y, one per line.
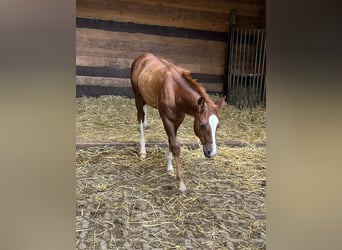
column 148, row 91
column 151, row 100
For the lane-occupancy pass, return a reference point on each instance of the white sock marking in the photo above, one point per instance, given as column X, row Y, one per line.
column 182, row 186
column 142, row 139
column 169, row 157
column 213, row 122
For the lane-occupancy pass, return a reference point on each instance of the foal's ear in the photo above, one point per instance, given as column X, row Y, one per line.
column 201, row 104
column 220, row 102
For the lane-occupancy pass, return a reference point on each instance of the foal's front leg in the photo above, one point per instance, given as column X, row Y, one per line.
column 174, row 150
column 171, row 127
column 169, row 158
column 180, row 176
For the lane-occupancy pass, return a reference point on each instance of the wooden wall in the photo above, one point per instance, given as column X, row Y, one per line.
column 191, row 33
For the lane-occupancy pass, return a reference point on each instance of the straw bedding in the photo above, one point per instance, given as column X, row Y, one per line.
column 124, row 202
column 114, row 118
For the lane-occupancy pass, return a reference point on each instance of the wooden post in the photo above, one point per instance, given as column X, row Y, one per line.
column 228, row 76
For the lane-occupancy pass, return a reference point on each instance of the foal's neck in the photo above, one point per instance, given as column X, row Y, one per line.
column 188, row 99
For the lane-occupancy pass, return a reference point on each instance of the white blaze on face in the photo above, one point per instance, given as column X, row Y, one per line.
column 213, row 122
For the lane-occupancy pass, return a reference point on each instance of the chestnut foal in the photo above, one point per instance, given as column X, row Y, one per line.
column 170, row 89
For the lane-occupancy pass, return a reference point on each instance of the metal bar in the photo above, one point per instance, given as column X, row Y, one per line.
column 263, row 69
column 247, row 71
column 255, row 57
column 251, row 60
column 248, row 61
column 248, row 65
column 247, row 68
column 262, row 56
column 231, row 54
column 250, row 91
column 235, row 66
column 243, row 57
column 239, row 67
column 230, row 63
column 259, row 62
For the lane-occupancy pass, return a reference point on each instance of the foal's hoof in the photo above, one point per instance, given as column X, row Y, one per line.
column 182, row 188
column 142, row 156
column 184, row 193
column 172, row 173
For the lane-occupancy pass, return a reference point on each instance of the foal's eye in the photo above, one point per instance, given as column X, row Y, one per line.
column 202, row 126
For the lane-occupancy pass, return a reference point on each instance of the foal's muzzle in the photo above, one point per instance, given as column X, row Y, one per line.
column 208, row 151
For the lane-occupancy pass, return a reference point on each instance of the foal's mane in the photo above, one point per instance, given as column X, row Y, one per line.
column 186, row 76
column 193, row 83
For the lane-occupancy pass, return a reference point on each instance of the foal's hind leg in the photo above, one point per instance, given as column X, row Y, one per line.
column 142, row 141
column 145, row 115
column 141, row 108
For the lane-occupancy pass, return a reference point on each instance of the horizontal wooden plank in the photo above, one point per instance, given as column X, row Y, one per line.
column 194, row 15
column 102, row 61
column 130, row 27
column 205, row 67
column 126, row 73
column 103, row 81
column 97, row 90
column 116, row 49
column 124, row 82
column 213, row 87
column 98, row 58
column 103, row 72
column 153, row 14
column 246, row 8
column 144, row 42
column 247, row 22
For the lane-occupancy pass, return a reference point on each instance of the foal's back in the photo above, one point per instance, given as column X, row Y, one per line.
column 149, row 73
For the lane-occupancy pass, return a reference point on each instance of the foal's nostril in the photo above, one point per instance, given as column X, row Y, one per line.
column 207, row 152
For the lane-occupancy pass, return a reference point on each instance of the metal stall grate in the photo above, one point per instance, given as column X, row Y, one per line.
column 245, row 77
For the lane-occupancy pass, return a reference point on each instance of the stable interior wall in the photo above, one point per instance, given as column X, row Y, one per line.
column 192, row 34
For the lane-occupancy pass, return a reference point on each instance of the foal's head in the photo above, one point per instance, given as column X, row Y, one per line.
column 205, row 125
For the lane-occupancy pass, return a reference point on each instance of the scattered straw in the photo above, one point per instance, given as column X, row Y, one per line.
column 124, row 202
column 114, row 118
column 137, row 202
